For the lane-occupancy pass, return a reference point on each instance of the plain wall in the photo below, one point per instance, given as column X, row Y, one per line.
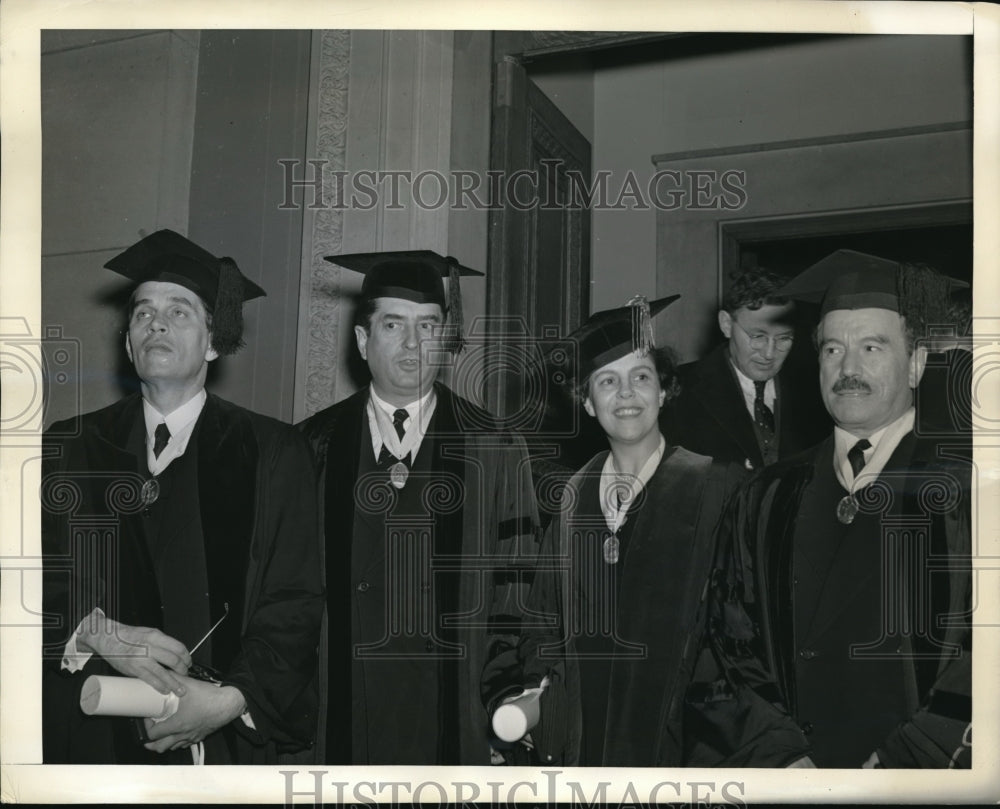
column 253, row 91
column 568, row 81
column 170, row 129
column 825, row 87
column 118, row 113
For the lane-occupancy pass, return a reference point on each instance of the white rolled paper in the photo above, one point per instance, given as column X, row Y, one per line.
column 516, row 716
column 125, row 696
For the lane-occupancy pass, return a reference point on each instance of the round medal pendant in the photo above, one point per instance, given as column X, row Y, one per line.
column 847, row 509
column 611, row 548
column 150, row 492
column 398, row 473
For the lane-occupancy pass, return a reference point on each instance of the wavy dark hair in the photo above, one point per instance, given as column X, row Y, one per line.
column 665, row 364
column 752, row 288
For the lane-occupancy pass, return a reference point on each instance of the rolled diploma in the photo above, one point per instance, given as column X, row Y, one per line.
column 516, row 716
column 125, row 696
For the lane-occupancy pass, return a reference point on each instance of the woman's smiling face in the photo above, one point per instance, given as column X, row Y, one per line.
column 625, row 397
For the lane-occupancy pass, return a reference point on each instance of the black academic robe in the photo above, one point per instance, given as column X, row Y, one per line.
column 474, row 504
column 641, row 615
column 250, row 481
column 710, row 416
column 861, row 632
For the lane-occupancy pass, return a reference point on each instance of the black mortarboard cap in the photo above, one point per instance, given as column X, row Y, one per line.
column 413, row 275
column 168, row 256
column 611, row 334
column 848, row 279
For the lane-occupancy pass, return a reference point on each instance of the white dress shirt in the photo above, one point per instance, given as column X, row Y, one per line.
column 380, row 415
column 618, row 491
column 749, row 390
column 180, row 422
column 883, row 444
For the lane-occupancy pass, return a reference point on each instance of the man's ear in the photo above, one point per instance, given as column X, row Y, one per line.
column 589, row 407
column 918, row 361
column 726, row 323
column 361, row 336
column 211, row 353
column 128, row 346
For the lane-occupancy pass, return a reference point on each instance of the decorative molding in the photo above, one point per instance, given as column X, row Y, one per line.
column 825, row 140
column 799, row 189
column 328, row 223
column 543, row 43
column 543, row 143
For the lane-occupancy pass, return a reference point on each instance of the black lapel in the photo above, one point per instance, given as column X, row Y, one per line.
column 227, row 483
column 792, row 413
column 340, row 453
column 774, row 560
column 338, row 450
column 914, row 459
column 113, row 428
column 719, row 392
column 449, row 442
column 660, row 587
column 782, row 419
column 116, row 446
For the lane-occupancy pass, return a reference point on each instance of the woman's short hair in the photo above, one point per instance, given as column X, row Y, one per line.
column 666, row 371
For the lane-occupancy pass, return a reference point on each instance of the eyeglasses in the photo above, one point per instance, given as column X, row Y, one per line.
column 782, row 343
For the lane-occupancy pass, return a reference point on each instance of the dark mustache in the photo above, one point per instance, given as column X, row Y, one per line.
column 846, row 383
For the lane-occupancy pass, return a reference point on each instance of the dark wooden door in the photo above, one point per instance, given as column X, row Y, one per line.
column 539, row 271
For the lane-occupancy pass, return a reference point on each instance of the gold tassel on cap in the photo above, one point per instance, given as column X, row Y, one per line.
column 642, row 326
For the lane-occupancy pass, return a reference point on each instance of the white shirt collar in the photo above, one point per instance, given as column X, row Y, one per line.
column 180, row 422
column 412, row 409
column 750, row 390
column 380, row 414
column 883, row 444
column 618, row 491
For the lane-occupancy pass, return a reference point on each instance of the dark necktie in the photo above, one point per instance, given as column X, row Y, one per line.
column 762, row 413
column 386, row 458
column 856, row 455
column 161, row 435
column 399, row 417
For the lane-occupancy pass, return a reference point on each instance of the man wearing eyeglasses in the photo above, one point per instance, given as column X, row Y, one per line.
column 180, row 541
column 734, row 405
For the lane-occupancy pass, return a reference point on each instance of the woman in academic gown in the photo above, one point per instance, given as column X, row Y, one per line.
column 634, row 537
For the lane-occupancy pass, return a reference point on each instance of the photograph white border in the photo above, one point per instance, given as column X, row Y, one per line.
column 24, row 779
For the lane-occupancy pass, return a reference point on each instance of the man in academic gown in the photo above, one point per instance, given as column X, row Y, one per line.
column 430, row 526
column 845, row 594
column 736, row 403
column 180, row 541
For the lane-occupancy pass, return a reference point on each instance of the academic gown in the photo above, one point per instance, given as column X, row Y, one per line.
column 625, row 649
column 860, row 632
column 236, row 519
column 469, row 504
